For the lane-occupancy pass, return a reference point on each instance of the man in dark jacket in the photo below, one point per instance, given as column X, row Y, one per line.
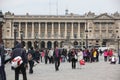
column 57, row 56
column 31, row 62
column 20, row 51
column 2, row 62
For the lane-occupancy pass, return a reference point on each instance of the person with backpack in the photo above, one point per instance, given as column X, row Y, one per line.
column 21, row 52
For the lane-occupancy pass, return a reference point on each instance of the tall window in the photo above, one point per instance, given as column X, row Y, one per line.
column 29, row 34
column 17, row 34
column 42, row 35
column 62, row 35
column 36, row 35
column 56, row 35
column 68, row 34
column 49, row 34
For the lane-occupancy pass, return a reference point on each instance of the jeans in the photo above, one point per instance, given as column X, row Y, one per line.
column 31, row 64
column 57, row 64
column 21, row 68
column 2, row 73
column 119, row 60
column 73, row 63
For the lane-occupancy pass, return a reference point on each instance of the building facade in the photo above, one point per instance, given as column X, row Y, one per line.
column 47, row 31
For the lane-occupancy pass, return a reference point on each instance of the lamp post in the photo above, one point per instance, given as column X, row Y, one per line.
column 118, row 44
column 36, row 44
column 86, row 31
column 15, row 32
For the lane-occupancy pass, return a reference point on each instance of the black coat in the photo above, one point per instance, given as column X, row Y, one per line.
column 2, row 55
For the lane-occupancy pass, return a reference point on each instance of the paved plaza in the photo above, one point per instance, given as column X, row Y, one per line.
column 91, row 71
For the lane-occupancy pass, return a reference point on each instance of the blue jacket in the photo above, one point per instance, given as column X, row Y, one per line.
column 19, row 51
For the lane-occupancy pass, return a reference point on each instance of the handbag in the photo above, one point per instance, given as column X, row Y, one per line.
column 16, row 62
column 75, row 56
column 82, row 62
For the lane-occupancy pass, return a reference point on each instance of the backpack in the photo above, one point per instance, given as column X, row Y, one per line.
column 16, row 62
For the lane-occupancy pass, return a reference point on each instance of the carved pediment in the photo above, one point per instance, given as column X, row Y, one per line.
column 104, row 16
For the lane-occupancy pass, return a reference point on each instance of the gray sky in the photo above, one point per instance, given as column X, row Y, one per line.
column 52, row 7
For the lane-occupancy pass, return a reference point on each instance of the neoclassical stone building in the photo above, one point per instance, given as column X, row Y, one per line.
column 47, row 31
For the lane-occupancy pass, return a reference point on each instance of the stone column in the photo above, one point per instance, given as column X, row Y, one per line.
column 85, row 29
column 72, row 31
column 88, row 28
column 78, row 30
column 26, row 31
column 93, row 33
column 52, row 31
column 100, row 35
column 39, row 30
column 100, row 29
column 85, row 25
column 33, row 30
column 45, row 30
column 59, row 30
column 107, row 35
column 19, row 29
column 12, row 35
column 65, row 35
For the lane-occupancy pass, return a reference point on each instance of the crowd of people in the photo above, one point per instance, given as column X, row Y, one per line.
column 51, row 56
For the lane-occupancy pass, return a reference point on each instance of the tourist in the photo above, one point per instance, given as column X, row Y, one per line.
column 57, row 56
column 80, row 57
column 50, row 55
column 31, row 55
column 20, row 51
column 73, row 58
column 105, row 55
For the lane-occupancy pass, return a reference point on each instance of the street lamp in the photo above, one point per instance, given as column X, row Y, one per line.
column 118, row 44
column 15, row 32
column 86, row 31
column 36, row 43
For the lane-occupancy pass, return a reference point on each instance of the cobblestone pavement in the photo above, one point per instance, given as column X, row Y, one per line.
column 91, row 71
